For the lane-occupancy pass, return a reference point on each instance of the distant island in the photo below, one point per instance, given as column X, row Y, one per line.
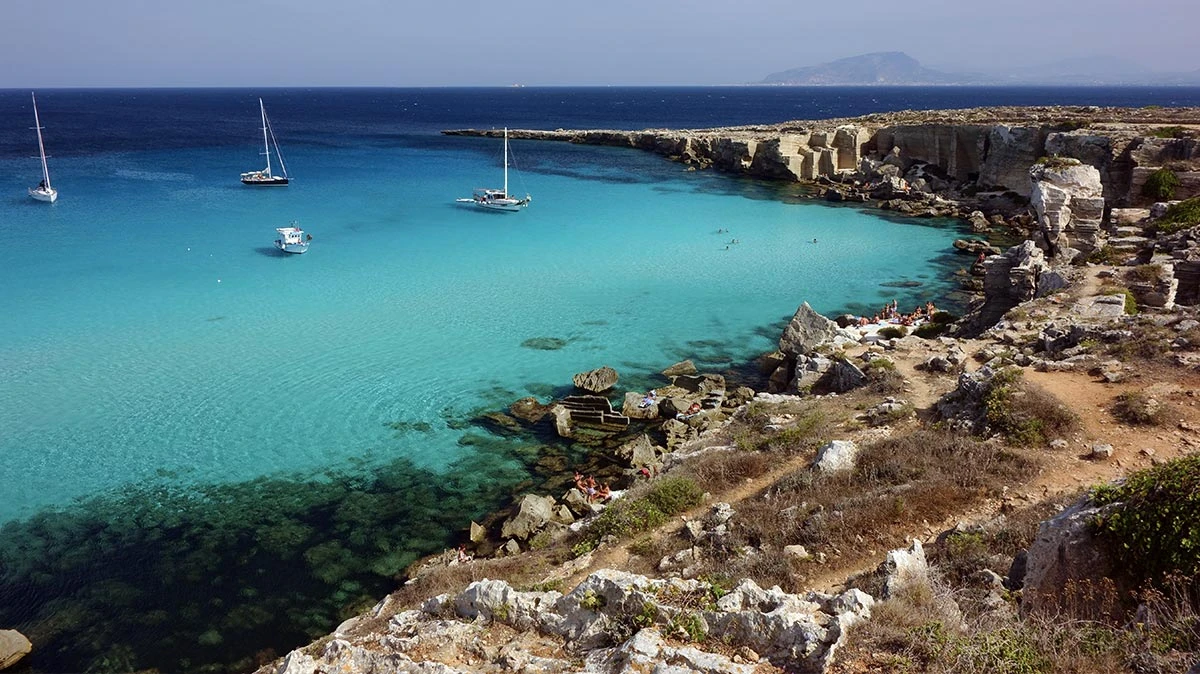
column 896, row 68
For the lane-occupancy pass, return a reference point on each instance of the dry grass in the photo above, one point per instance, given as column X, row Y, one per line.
column 1140, row 409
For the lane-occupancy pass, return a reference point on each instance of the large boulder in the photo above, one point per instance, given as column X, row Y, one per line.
column 844, row 376
column 1065, row 554
column 640, row 406
column 639, row 452
column 13, row 647
column 805, row 331
column 682, row 367
column 534, row 513
column 596, row 381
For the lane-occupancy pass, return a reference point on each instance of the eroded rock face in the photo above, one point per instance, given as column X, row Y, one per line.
column 1010, row 279
column 532, row 515
column 596, row 381
column 806, row 330
column 613, row 620
column 1069, row 201
column 1064, row 552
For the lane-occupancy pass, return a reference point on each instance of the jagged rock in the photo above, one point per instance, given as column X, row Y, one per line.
column 1069, row 202
column 806, row 330
column 596, row 381
column 532, row 516
column 888, row 410
column 809, row 371
column 1064, row 552
column 682, row 367
column 13, row 647
column 478, row 534
column 844, row 376
column 702, row 383
column 796, row 551
column 639, row 452
column 1156, row 289
column 1102, row 451
column 978, row 222
column 975, row 247
column 578, row 503
column 905, row 568
column 836, row 455
column 678, row 433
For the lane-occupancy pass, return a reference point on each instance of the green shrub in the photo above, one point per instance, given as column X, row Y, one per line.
column 1168, row 132
column 1155, row 522
column 931, row 330
column 1056, row 162
column 1105, row 254
column 628, row 518
column 893, row 332
column 1179, row 217
column 1144, row 273
column 1022, row 414
column 1136, row 407
column 1161, row 185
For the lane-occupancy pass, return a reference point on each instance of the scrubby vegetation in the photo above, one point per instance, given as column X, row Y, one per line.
column 1023, row 414
column 1056, row 162
column 1169, row 132
column 1154, row 524
column 1136, row 407
column 1105, row 254
column 893, row 332
column 1161, row 185
column 1179, row 217
column 632, row 516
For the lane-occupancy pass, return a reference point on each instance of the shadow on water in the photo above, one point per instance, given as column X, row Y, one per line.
column 225, row 577
column 270, row 251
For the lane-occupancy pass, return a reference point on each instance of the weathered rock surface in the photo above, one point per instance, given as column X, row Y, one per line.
column 1064, row 552
column 805, row 331
column 596, row 381
column 611, row 622
column 574, row 416
column 682, row 367
column 1069, row 201
column 13, row 647
column 532, row 516
column 836, row 455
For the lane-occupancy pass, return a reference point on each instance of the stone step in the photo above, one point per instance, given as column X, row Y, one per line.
column 1129, row 231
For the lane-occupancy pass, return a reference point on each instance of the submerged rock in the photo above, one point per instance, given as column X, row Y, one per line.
column 13, row 647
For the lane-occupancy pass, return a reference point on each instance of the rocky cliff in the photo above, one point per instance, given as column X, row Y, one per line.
column 973, row 150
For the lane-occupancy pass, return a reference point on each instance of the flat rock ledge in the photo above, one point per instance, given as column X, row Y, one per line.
column 611, row 622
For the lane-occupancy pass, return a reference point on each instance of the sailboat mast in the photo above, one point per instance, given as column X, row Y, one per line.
column 41, row 148
column 266, row 143
column 506, row 162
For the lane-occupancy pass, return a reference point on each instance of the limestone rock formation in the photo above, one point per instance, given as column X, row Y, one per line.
column 1011, row 151
column 579, row 416
column 596, row 381
column 613, row 621
column 638, row 406
column 532, row 516
column 1065, row 551
column 13, row 647
column 682, row 367
column 1069, row 200
column 806, row 330
column 1010, row 279
column 905, row 568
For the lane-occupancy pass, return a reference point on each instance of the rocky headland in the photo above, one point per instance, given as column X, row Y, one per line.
column 1013, row 490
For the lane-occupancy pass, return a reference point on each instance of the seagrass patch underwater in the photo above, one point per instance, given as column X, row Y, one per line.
column 224, row 577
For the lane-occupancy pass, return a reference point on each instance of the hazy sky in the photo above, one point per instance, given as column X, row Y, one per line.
column 50, row 43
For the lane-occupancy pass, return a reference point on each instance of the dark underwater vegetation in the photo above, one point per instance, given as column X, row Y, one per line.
column 222, row 578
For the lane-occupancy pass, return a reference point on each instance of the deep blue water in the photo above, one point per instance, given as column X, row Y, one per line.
column 212, row 452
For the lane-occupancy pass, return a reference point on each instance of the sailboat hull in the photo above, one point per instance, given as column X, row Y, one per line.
column 48, row 196
column 507, row 206
column 265, row 182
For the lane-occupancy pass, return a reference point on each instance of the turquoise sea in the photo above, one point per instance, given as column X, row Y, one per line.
column 212, row 452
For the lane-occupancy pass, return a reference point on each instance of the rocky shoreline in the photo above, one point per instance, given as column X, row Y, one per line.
column 1074, row 183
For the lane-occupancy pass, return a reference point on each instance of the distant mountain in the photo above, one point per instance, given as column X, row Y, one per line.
column 889, row 67
column 897, row 68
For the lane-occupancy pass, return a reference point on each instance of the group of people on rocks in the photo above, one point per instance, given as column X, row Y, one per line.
column 593, row 493
column 891, row 314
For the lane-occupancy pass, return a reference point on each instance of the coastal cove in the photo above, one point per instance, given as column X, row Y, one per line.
column 186, row 408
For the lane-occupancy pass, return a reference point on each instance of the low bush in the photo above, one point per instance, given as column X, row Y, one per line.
column 1105, row 254
column 1056, row 162
column 1168, row 132
column 1131, row 307
column 1154, row 525
column 1179, row 217
column 931, row 330
column 1024, row 414
column 1161, row 185
column 633, row 516
column 1137, row 407
column 893, row 332
column 883, row 377
column 1144, row 273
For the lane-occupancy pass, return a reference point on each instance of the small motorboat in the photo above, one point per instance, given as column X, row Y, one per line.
column 292, row 239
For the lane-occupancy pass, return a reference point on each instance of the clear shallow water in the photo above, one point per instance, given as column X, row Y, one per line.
column 181, row 407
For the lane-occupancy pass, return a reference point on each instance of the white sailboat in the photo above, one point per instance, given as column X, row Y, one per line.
column 264, row 177
column 43, row 192
column 497, row 200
